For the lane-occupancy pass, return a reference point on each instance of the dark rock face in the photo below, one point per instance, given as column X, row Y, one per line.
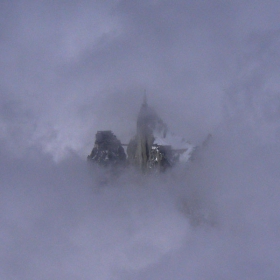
column 141, row 151
column 161, row 157
column 107, row 150
column 147, row 151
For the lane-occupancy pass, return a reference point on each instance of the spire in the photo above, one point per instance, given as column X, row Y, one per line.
column 145, row 99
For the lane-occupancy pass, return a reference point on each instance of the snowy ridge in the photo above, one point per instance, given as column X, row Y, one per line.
column 177, row 143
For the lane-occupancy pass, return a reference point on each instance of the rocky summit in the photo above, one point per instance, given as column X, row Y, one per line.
column 107, row 150
column 153, row 148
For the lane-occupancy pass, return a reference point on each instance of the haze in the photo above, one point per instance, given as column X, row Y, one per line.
column 70, row 68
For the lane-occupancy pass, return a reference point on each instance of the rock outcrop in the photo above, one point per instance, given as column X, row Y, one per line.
column 141, row 150
column 107, row 150
column 152, row 149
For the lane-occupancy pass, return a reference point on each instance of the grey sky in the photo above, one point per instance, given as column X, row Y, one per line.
column 70, row 68
column 76, row 66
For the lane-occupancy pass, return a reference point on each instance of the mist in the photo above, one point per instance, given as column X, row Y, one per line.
column 70, row 69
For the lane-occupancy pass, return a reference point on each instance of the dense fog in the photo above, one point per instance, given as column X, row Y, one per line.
column 70, row 68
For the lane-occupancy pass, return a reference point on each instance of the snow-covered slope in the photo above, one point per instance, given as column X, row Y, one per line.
column 184, row 148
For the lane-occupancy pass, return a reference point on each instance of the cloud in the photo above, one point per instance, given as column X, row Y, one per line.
column 116, row 47
column 70, row 69
column 59, row 222
column 216, row 219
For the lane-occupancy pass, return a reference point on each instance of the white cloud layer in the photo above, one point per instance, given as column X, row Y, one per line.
column 70, row 69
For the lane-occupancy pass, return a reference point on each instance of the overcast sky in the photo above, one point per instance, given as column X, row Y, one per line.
column 70, row 68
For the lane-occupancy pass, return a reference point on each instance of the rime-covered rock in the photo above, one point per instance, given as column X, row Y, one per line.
column 107, row 150
column 153, row 148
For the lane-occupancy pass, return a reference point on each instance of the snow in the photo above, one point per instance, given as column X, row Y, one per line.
column 177, row 143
